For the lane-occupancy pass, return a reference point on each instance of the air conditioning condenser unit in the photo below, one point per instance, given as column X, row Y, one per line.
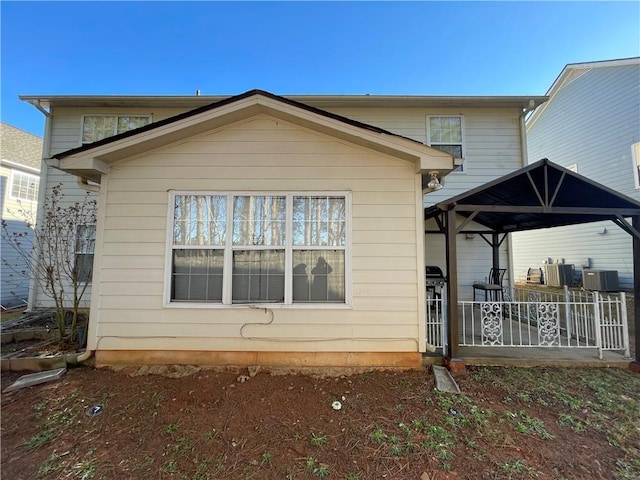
column 601, row 280
column 558, row 274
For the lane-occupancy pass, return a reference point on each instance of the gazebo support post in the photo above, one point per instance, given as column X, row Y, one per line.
column 495, row 250
column 453, row 362
column 635, row 222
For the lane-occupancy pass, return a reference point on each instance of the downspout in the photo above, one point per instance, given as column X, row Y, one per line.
column 42, row 192
column 85, row 356
column 83, row 183
column 525, row 161
column 523, row 132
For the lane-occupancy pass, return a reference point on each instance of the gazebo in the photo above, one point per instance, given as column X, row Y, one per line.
column 540, row 195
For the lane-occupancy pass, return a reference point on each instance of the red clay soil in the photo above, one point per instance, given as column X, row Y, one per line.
column 216, row 425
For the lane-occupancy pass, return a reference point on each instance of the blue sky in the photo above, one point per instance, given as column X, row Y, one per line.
column 427, row 48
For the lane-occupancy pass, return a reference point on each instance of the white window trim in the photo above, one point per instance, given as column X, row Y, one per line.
column 464, row 136
column 116, row 115
column 288, row 247
column 635, row 160
column 12, row 180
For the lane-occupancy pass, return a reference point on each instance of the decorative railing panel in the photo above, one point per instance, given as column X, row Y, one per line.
column 538, row 319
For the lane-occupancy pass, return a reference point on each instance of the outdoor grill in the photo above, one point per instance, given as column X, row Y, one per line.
column 434, row 279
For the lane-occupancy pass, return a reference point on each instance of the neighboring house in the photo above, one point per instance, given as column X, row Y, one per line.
column 260, row 229
column 590, row 125
column 20, row 157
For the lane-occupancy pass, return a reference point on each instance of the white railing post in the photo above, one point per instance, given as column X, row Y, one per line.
column 567, row 313
column 625, row 325
column 596, row 320
column 445, row 321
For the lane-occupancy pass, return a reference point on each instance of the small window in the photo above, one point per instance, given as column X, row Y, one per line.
column 445, row 133
column 84, row 248
column 24, row 186
column 97, row 127
column 635, row 156
column 260, row 248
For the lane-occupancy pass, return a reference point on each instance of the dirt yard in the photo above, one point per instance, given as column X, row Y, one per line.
column 509, row 423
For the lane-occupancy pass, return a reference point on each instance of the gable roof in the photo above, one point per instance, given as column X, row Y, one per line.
column 20, row 148
column 92, row 160
column 571, row 72
column 540, row 195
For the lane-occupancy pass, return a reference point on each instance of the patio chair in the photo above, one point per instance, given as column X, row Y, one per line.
column 493, row 287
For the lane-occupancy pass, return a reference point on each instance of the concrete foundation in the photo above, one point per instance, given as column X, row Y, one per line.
column 273, row 359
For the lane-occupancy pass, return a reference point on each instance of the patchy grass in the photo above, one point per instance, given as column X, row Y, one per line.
column 509, row 423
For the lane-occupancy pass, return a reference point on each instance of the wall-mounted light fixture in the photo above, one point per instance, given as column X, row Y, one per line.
column 434, row 183
column 603, row 231
column 469, row 236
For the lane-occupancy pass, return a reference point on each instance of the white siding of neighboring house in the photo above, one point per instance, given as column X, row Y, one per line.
column 491, row 141
column 20, row 152
column 14, row 273
column 592, row 122
column 260, row 154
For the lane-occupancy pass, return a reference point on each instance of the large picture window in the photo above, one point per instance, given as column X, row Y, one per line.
column 97, row 127
column 258, row 248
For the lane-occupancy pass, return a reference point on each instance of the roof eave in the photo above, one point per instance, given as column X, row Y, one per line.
column 321, row 101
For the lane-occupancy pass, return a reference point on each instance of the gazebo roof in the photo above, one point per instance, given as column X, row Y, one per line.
column 540, row 195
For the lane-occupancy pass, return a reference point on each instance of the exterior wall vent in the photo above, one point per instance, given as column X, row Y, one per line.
column 601, row 280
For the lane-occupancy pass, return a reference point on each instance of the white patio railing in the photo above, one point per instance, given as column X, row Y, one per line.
column 535, row 318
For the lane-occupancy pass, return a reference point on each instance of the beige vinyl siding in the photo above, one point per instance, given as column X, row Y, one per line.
column 66, row 133
column 129, row 312
column 492, row 149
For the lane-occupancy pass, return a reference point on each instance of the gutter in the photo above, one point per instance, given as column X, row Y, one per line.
column 42, row 192
column 525, row 161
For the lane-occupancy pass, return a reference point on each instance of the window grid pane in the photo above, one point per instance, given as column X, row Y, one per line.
column 259, row 220
column 445, row 133
column 200, row 220
column 258, row 276
column 318, row 276
column 129, row 123
column 197, row 275
column 97, row 127
column 319, row 221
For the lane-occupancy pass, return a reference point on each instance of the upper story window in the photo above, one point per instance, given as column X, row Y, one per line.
column 97, row 127
column 635, row 156
column 269, row 248
column 445, row 133
column 24, row 186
